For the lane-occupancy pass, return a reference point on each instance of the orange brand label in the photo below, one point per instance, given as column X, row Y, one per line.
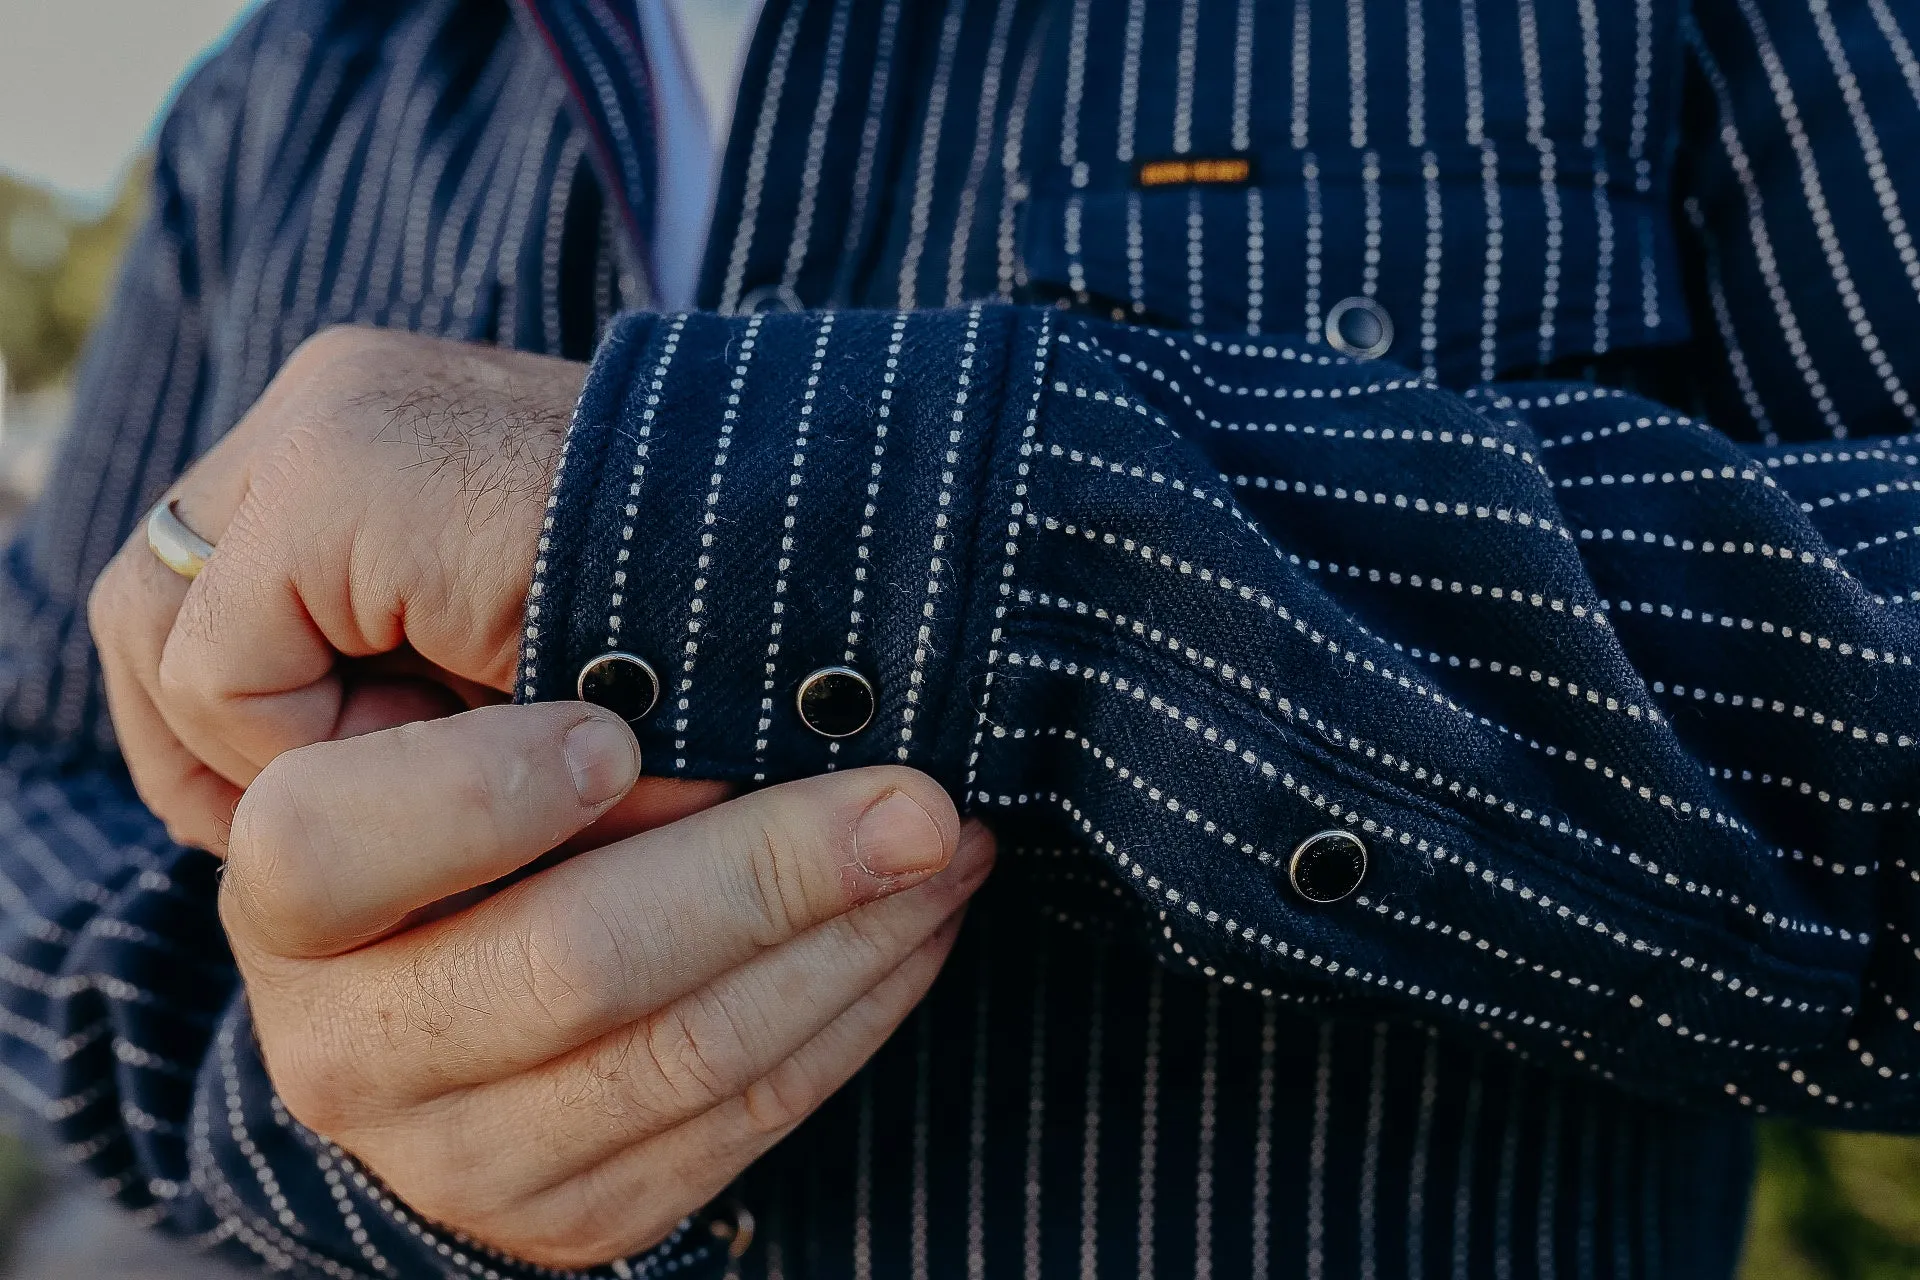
column 1215, row 171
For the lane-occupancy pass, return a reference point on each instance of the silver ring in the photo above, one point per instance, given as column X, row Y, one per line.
column 173, row 544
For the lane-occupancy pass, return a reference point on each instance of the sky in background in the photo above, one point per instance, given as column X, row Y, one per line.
column 82, row 80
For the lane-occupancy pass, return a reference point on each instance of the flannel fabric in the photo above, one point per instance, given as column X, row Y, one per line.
column 1621, row 708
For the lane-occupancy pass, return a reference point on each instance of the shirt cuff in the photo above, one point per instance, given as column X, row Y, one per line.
column 763, row 538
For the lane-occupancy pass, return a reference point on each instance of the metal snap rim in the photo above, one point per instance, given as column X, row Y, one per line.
column 608, row 659
column 770, row 298
column 1299, row 870
column 812, row 683
column 1339, row 341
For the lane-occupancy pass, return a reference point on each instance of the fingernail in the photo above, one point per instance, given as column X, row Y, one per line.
column 896, row 837
column 603, row 758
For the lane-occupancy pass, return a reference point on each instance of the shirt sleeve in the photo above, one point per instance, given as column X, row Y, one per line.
column 1542, row 711
column 125, row 1038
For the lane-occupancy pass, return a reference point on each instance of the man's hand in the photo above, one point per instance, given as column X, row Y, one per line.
column 377, row 514
column 568, row 1067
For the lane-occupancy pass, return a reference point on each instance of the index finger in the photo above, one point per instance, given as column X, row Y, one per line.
column 611, row 936
column 339, row 842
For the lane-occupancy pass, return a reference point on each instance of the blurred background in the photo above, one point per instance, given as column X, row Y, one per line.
column 81, row 82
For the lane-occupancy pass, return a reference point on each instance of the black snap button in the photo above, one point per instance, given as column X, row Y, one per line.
column 836, row 702
column 1359, row 327
column 622, row 683
column 1328, row 866
column 771, row 298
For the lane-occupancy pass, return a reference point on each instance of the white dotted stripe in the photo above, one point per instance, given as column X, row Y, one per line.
column 1705, row 545
column 349, row 1215
column 536, row 593
column 863, row 541
column 777, row 608
column 1816, row 205
column 1558, row 398
column 937, row 564
column 920, row 218
column 1132, row 692
column 1900, row 238
column 1132, row 44
column 1898, row 45
column 1879, row 540
column 1784, row 630
column 1776, row 706
column 1589, row 435
column 709, row 518
column 243, row 1141
column 1686, row 475
column 1277, row 947
column 1737, row 362
column 754, row 189
column 642, row 448
column 1400, row 501
column 1493, row 1013
column 1843, row 497
column 1160, row 799
column 1369, row 664
column 1015, row 513
column 1759, row 239
column 1258, row 391
column 1013, row 184
column 1186, row 66
column 1181, row 342
column 815, row 166
column 673, row 1254
column 987, row 118
column 1804, row 788
column 1139, row 472
column 1589, row 612
column 1434, row 779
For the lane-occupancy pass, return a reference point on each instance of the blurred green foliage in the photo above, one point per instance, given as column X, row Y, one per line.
column 55, row 269
column 23, row 1184
column 1834, row 1206
column 1827, row 1206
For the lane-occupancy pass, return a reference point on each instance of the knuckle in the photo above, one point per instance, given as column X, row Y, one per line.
column 485, row 791
column 321, row 1079
column 177, row 685
column 328, row 351
column 110, row 603
column 451, row 1178
column 782, row 1098
column 416, row 1177
column 883, row 932
column 544, row 970
column 576, row 1235
column 267, row 891
column 776, row 878
column 686, row 1066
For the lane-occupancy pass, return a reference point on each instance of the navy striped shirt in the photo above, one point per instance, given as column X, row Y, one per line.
column 986, row 405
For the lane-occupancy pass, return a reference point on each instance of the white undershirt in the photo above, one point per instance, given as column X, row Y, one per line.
column 695, row 49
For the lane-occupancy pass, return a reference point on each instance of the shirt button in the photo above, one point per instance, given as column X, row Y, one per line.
column 622, row 683
column 1359, row 327
column 1328, row 866
column 836, row 702
column 771, row 298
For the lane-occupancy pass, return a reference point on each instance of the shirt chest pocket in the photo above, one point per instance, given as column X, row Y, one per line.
column 1469, row 187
